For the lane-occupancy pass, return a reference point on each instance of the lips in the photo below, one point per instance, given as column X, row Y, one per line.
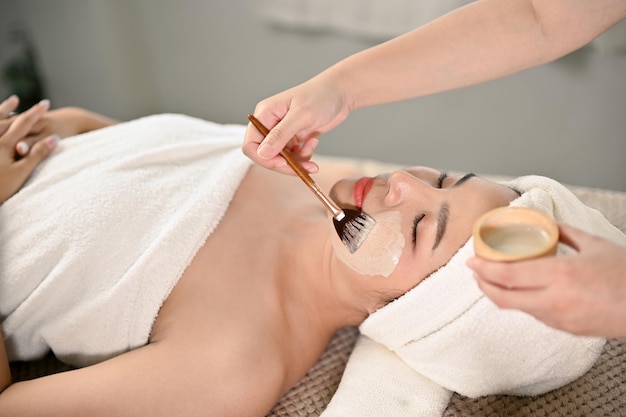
column 361, row 188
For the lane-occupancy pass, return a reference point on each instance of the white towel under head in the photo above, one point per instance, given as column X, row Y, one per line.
column 92, row 245
column 445, row 336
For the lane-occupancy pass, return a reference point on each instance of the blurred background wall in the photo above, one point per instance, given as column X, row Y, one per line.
column 217, row 59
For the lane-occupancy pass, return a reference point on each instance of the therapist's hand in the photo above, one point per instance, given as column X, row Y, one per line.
column 16, row 167
column 295, row 118
column 583, row 293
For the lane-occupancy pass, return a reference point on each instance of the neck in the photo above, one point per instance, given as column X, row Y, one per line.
column 314, row 305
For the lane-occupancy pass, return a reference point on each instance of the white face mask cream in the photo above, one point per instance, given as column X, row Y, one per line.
column 380, row 253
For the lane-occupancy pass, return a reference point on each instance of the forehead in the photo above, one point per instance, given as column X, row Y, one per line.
column 421, row 171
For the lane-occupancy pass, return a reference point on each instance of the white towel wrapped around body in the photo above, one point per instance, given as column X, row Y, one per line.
column 445, row 336
column 94, row 242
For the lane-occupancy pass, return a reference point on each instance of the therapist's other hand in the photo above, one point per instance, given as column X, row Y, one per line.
column 295, row 118
column 583, row 293
column 15, row 168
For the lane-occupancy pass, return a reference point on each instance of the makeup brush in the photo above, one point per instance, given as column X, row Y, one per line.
column 352, row 226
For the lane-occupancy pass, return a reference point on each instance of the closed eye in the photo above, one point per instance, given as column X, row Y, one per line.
column 442, row 176
column 416, row 221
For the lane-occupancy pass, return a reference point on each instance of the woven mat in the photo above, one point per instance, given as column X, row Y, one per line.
column 600, row 392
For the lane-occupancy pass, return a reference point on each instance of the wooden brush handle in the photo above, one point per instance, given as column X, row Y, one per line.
column 335, row 210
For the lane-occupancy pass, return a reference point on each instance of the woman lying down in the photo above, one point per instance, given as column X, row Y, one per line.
column 184, row 281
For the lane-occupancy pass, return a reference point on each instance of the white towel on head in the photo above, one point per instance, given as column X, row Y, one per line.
column 92, row 245
column 445, row 336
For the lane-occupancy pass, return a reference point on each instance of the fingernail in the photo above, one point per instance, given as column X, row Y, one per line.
column 44, row 102
column 264, row 151
column 22, row 147
column 52, row 141
column 312, row 169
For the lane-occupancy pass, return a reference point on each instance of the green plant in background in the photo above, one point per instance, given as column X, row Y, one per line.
column 21, row 73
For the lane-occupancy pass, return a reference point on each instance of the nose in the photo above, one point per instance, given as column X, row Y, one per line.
column 402, row 185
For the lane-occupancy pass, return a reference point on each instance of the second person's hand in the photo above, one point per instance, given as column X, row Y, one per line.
column 582, row 293
column 15, row 168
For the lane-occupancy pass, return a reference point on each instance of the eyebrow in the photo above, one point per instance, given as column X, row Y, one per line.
column 442, row 222
column 444, row 211
column 463, row 179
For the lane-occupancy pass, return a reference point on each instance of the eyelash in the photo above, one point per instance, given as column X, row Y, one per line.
column 419, row 218
column 442, row 177
column 416, row 220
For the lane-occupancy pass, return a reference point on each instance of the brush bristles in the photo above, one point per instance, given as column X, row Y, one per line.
column 355, row 230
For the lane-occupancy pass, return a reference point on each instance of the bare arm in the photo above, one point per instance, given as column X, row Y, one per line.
column 482, row 41
column 68, row 121
column 123, row 386
column 157, row 380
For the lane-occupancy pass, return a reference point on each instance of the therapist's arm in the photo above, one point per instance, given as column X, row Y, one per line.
column 484, row 40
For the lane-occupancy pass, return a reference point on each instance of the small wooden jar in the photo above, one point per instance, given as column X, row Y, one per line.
column 508, row 234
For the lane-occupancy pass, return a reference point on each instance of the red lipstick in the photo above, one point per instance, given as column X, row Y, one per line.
column 361, row 188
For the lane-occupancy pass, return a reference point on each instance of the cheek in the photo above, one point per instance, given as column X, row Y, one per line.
column 380, row 253
column 416, row 267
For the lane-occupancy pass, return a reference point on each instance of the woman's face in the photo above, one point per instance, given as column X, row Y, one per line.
column 423, row 217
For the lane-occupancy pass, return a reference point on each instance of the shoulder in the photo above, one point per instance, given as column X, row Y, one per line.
column 228, row 378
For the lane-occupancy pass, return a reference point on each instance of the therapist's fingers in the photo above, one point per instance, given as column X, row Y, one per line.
column 530, row 300
column 576, row 238
column 534, row 273
column 545, row 304
column 301, row 150
column 8, row 106
column 308, row 147
column 278, row 137
column 530, row 274
column 252, row 140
